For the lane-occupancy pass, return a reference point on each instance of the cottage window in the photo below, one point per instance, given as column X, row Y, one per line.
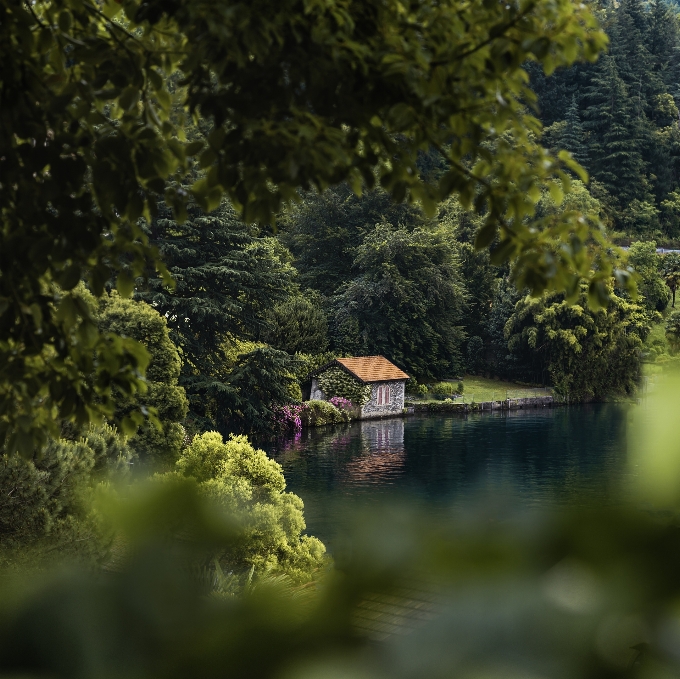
column 383, row 395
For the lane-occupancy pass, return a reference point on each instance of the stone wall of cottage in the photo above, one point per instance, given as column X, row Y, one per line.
column 316, row 394
column 394, row 407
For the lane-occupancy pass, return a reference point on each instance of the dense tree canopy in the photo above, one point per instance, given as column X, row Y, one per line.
column 294, row 95
column 227, row 282
column 162, row 439
column 406, row 302
column 324, row 230
column 619, row 117
column 585, row 353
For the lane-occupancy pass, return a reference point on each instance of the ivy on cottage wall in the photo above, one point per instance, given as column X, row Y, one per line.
column 336, row 382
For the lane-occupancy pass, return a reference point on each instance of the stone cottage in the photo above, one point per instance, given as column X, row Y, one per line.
column 383, row 384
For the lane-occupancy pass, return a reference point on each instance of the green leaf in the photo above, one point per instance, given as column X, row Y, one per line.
column 129, row 97
column 192, row 148
column 64, row 21
column 70, row 277
column 486, row 235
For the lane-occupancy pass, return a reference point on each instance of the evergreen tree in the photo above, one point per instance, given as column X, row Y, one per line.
column 615, row 152
column 662, row 39
column 251, row 384
column 628, row 31
column 298, row 325
column 629, row 137
column 572, row 136
column 227, row 281
column 555, row 92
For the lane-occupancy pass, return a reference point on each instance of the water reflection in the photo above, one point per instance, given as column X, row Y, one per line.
column 545, row 456
column 383, row 458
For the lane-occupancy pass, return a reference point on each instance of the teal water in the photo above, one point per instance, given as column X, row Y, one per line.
column 538, row 458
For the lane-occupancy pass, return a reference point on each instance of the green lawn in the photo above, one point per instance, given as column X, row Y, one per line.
column 483, row 389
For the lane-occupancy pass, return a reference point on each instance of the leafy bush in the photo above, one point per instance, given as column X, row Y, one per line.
column 337, row 382
column 247, row 484
column 287, row 418
column 45, row 503
column 318, row 413
column 143, row 323
column 655, row 293
column 460, row 388
column 442, row 389
column 412, row 387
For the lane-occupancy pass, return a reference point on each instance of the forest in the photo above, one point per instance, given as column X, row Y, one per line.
column 343, row 274
column 203, row 203
column 239, row 313
column 619, row 118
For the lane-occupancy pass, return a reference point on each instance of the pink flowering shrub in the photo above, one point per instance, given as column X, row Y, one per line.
column 341, row 403
column 291, row 418
column 287, row 418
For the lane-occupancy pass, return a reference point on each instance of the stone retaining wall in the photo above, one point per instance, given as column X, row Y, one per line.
column 443, row 407
column 508, row 404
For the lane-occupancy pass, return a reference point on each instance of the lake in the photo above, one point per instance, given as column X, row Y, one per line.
column 536, row 457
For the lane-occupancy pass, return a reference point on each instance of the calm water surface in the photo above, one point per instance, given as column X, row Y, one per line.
column 537, row 457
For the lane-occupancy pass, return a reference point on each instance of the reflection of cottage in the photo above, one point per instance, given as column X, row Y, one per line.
column 382, row 458
column 381, row 382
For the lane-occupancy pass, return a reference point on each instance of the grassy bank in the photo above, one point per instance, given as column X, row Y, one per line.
column 478, row 389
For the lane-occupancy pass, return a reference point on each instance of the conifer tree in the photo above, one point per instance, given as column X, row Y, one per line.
column 662, row 38
column 572, row 136
column 616, row 158
column 629, row 117
column 227, row 280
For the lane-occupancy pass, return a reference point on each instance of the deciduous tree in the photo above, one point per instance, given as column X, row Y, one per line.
column 250, row 487
column 405, row 303
column 586, row 354
column 162, row 439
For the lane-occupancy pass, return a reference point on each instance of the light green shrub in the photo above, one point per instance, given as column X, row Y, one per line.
column 442, row 389
column 251, row 487
column 412, row 387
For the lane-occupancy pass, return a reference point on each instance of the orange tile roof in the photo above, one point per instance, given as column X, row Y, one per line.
column 373, row 368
